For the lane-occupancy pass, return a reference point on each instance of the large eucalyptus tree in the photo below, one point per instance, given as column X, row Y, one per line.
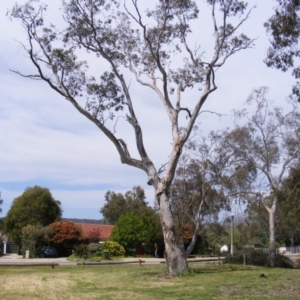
column 268, row 139
column 157, row 48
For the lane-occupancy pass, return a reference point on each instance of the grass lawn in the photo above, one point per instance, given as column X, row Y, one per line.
column 148, row 282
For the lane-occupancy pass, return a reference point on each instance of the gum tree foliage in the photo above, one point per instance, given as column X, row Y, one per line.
column 284, row 30
column 215, row 235
column 270, row 142
column 257, row 221
column 206, row 183
column 194, row 199
column 117, row 204
column 155, row 48
column 242, row 231
column 36, row 206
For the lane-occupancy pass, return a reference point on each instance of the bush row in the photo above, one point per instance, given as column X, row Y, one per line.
column 96, row 249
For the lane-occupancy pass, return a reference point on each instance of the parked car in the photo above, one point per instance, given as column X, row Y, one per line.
column 48, row 252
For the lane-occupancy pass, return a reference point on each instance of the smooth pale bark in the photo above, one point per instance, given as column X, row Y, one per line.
column 194, row 239
column 272, row 246
column 174, row 251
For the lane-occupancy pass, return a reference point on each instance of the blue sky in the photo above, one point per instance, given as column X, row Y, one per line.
column 45, row 142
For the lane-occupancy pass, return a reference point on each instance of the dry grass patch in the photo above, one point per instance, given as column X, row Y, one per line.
column 147, row 283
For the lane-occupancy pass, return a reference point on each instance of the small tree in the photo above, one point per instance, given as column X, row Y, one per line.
column 36, row 206
column 33, row 238
column 152, row 47
column 131, row 230
column 65, row 235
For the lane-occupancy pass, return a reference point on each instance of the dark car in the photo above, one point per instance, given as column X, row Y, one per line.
column 48, row 252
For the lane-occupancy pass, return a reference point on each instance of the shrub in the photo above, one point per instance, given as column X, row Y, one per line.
column 80, row 249
column 114, row 248
column 95, row 249
column 257, row 258
column 64, row 237
column 130, row 230
column 253, row 257
column 33, row 239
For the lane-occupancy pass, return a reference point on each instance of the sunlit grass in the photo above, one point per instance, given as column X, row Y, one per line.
column 148, row 282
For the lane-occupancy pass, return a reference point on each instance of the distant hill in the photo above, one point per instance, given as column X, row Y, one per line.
column 74, row 220
column 86, row 221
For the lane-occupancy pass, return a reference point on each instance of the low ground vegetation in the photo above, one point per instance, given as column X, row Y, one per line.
column 149, row 282
column 258, row 258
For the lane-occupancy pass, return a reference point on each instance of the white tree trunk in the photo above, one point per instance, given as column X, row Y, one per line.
column 272, row 246
column 174, row 250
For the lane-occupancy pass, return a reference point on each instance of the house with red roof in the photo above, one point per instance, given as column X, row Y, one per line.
column 96, row 233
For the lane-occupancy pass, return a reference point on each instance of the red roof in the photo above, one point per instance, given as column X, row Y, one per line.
column 96, row 231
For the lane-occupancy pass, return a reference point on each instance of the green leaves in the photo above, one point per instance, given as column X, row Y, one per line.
column 118, row 204
column 34, row 237
column 104, row 96
column 284, row 30
column 135, row 221
column 114, row 248
column 132, row 229
column 35, row 206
